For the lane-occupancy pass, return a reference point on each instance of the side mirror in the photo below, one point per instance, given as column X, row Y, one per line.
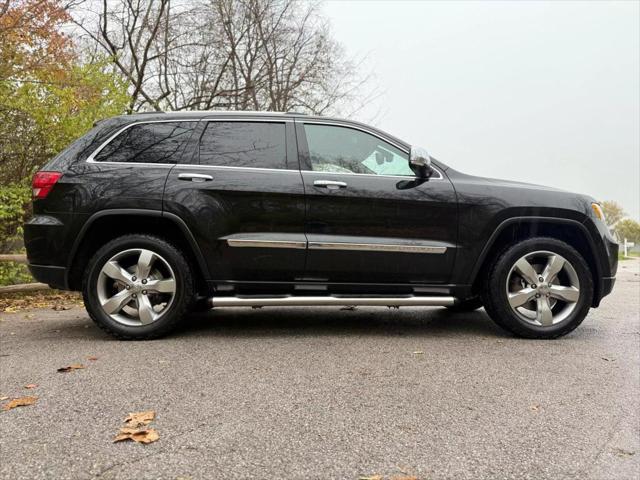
column 420, row 162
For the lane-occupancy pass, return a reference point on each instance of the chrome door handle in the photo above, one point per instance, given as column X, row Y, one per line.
column 195, row 177
column 330, row 184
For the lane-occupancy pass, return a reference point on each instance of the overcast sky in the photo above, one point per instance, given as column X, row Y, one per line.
column 540, row 92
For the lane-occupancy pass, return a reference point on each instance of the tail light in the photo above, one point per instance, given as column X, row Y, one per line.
column 43, row 182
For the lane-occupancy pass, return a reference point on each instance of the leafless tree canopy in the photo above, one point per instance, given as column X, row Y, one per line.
column 224, row 54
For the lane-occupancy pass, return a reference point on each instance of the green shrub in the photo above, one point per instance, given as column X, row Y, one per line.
column 12, row 273
column 14, row 204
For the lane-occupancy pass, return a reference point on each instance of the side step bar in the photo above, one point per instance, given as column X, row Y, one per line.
column 295, row 301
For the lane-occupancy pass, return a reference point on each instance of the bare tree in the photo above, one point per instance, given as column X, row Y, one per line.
column 224, row 54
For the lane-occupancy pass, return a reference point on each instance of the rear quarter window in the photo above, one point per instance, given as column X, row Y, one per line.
column 161, row 142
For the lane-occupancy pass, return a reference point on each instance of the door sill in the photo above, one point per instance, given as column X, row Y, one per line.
column 309, row 301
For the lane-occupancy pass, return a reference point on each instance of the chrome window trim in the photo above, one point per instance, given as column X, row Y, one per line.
column 224, row 167
column 377, row 247
column 406, row 177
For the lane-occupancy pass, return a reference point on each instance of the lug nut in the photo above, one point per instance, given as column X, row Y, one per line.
column 134, row 295
column 144, row 281
column 541, row 279
column 134, row 278
column 534, row 286
column 144, row 292
column 537, row 295
column 128, row 287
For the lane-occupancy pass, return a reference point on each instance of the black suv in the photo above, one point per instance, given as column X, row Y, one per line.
column 152, row 215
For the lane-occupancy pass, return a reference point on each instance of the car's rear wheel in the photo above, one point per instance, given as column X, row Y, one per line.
column 539, row 288
column 138, row 287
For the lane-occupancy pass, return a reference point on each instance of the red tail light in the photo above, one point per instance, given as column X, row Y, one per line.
column 43, row 182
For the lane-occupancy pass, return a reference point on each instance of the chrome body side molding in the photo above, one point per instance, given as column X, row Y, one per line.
column 377, row 247
column 255, row 243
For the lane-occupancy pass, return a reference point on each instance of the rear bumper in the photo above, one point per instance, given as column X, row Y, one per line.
column 55, row 277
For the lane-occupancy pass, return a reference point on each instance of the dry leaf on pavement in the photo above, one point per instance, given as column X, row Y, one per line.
column 30, row 386
column 93, row 359
column 19, row 402
column 145, row 435
column 418, row 352
column 139, row 419
column 75, row 366
column 3, row 398
column 371, row 477
column 534, row 408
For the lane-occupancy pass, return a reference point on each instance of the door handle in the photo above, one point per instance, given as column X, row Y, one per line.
column 195, row 177
column 329, row 184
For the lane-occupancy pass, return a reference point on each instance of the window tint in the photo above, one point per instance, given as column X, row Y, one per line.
column 244, row 144
column 346, row 150
column 148, row 143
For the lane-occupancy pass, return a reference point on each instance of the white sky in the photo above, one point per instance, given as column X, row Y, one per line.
column 543, row 92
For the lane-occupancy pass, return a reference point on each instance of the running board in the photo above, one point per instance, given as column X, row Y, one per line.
column 299, row 301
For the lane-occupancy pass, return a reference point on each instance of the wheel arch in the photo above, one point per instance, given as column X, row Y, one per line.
column 106, row 225
column 517, row 229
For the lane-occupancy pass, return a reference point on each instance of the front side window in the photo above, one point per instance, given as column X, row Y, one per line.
column 244, row 144
column 346, row 150
column 160, row 142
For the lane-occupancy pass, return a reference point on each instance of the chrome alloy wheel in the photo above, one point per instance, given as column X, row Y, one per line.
column 136, row 287
column 543, row 288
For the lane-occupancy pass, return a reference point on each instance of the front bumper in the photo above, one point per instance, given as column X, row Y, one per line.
column 55, row 277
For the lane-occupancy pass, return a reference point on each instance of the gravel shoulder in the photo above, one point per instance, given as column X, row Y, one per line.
column 325, row 393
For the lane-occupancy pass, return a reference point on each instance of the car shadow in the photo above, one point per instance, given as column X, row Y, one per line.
column 274, row 322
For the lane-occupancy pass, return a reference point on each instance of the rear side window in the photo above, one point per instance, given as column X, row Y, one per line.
column 244, row 144
column 148, row 143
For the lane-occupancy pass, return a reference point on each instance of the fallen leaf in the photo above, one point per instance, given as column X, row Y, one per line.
column 75, row 366
column 30, row 386
column 2, row 399
column 139, row 419
column 608, row 359
column 404, row 477
column 19, row 402
column 418, row 352
column 623, row 453
column 371, row 477
column 145, row 435
column 93, row 359
column 534, row 408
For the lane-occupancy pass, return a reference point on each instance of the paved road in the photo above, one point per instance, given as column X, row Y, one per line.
column 322, row 393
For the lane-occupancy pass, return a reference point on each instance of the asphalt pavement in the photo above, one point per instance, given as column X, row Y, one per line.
column 323, row 393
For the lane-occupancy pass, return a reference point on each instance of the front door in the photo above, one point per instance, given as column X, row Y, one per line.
column 241, row 194
column 369, row 219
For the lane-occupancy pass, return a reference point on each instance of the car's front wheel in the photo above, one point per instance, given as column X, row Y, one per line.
column 539, row 288
column 138, row 287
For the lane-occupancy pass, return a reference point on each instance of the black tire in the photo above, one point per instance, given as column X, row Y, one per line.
column 182, row 301
column 496, row 301
column 468, row 305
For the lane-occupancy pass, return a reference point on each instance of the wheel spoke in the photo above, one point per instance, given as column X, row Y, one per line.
column 519, row 298
column 527, row 272
column 553, row 267
column 115, row 303
column 167, row 285
column 566, row 294
column 543, row 312
column 145, row 262
column 116, row 272
column 146, row 314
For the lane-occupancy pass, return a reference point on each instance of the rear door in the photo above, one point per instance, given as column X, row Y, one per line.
column 240, row 192
column 369, row 218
